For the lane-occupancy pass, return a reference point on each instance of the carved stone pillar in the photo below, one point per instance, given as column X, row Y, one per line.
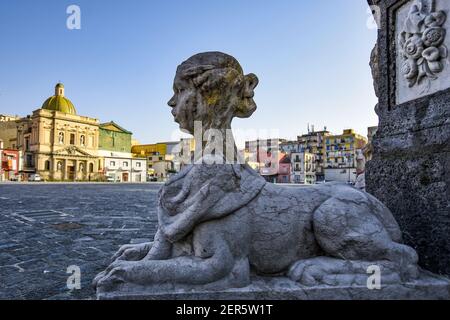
column 410, row 170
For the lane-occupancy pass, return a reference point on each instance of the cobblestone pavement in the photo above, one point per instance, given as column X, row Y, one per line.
column 44, row 229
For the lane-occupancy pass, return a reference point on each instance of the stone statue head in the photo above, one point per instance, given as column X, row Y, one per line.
column 211, row 87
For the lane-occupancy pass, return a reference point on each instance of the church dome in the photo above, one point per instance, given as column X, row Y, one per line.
column 58, row 102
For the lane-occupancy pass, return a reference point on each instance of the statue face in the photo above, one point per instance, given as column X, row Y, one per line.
column 184, row 104
column 211, row 92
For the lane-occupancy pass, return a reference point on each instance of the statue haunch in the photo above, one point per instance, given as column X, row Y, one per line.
column 220, row 223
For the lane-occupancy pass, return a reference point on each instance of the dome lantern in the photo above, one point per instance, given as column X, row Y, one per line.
column 59, row 102
column 59, row 90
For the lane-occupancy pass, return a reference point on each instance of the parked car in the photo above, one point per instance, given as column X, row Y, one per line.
column 35, row 178
column 110, row 179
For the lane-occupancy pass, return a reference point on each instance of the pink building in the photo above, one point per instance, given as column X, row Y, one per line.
column 275, row 167
column 9, row 164
column 284, row 170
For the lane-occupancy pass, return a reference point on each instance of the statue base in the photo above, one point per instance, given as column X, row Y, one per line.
column 428, row 287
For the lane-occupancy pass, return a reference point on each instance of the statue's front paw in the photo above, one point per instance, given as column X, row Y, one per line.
column 132, row 252
column 115, row 275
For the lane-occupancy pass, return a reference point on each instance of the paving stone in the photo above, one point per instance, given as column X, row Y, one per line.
column 34, row 256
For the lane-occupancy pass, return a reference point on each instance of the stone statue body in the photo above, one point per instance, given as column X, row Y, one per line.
column 221, row 223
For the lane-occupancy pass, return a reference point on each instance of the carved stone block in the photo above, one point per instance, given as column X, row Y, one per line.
column 422, row 42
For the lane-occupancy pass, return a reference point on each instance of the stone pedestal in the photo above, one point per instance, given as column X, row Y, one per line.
column 410, row 170
column 427, row 287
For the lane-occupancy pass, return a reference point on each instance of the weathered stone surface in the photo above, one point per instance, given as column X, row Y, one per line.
column 410, row 167
column 427, row 287
column 219, row 222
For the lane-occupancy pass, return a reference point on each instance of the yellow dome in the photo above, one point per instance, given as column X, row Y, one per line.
column 58, row 102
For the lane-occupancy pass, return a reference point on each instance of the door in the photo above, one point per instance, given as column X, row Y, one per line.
column 71, row 172
column 125, row 177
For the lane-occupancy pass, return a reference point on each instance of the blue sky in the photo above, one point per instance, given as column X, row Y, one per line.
column 311, row 58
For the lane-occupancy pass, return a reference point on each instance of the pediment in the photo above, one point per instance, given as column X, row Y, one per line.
column 73, row 151
column 112, row 126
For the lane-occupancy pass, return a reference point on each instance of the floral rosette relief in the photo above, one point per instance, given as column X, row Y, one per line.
column 422, row 46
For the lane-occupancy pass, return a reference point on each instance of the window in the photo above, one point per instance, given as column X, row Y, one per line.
column 47, row 165
column 112, row 163
column 91, row 167
column 27, row 144
column 82, row 140
column 72, row 139
column 61, row 138
column 29, row 160
column 138, row 164
column 160, row 158
column 125, row 164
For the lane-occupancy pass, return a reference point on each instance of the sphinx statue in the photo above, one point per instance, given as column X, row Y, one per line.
column 220, row 223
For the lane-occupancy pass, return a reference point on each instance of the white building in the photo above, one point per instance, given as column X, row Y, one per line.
column 122, row 167
column 303, row 168
column 340, row 174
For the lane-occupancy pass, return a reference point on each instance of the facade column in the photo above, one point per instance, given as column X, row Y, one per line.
column 64, row 176
column 86, row 170
column 76, row 169
column 53, row 167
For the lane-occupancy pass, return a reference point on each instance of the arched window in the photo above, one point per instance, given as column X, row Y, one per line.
column 61, row 137
column 91, row 167
column 47, row 165
column 82, row 140
column 59, row 166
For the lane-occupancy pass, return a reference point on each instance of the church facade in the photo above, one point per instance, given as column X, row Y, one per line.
column 57, row 143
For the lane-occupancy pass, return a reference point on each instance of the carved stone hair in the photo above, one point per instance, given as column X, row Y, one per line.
column 209, row 70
